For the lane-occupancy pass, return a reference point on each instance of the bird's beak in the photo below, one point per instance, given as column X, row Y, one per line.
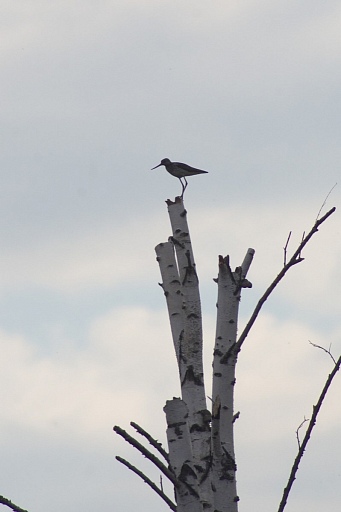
column 155, row 167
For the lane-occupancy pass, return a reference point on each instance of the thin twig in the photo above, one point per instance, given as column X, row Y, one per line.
column 324, row 202
column 285, row 249
column 10, row 504
column 296, row 258
column 152, row 441
column 297, row 432
column 147, row 480
column 167, row 472
column 324, row 350
column 312, row 422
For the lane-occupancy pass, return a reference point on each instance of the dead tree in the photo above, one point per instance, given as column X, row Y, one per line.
column 200, row 461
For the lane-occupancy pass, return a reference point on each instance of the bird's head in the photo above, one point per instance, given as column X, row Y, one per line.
column 164, row 161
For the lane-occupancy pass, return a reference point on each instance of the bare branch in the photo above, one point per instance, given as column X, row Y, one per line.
column 10, row 504
column 236, row 416
column 312, row 422
column 151, row 484
column 296, row 258
column 324, row 350
column 152, row 441
column 324, row 202
column 167, row 472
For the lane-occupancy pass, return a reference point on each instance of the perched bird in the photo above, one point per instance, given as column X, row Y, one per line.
column 180, row 171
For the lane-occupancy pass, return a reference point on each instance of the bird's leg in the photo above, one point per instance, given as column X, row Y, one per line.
column 183, row 187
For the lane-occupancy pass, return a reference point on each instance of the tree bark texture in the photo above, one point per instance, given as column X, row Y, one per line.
column 224, row 364
column 201, row 456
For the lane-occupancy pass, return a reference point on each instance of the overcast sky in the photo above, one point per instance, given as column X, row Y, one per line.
column 94, row 94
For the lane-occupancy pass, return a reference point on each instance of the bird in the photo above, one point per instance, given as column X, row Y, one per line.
column 180, row 170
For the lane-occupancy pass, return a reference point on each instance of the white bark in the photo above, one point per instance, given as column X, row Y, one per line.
column 204, row 457
column 172, row 289
column 181, row 457
column 191, row 363
column 188, row 341
column 224, row 362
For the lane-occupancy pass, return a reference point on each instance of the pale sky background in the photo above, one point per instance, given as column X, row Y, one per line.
column 94, row 94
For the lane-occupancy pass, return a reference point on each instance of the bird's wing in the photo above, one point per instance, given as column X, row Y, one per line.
column 189, row 168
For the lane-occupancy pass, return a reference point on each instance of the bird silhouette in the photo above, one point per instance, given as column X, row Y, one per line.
column 180, row 171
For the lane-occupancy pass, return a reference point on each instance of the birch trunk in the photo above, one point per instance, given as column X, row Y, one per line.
column 181, row 457
column 181, row 288
column 224, row 363
column 202, row 458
